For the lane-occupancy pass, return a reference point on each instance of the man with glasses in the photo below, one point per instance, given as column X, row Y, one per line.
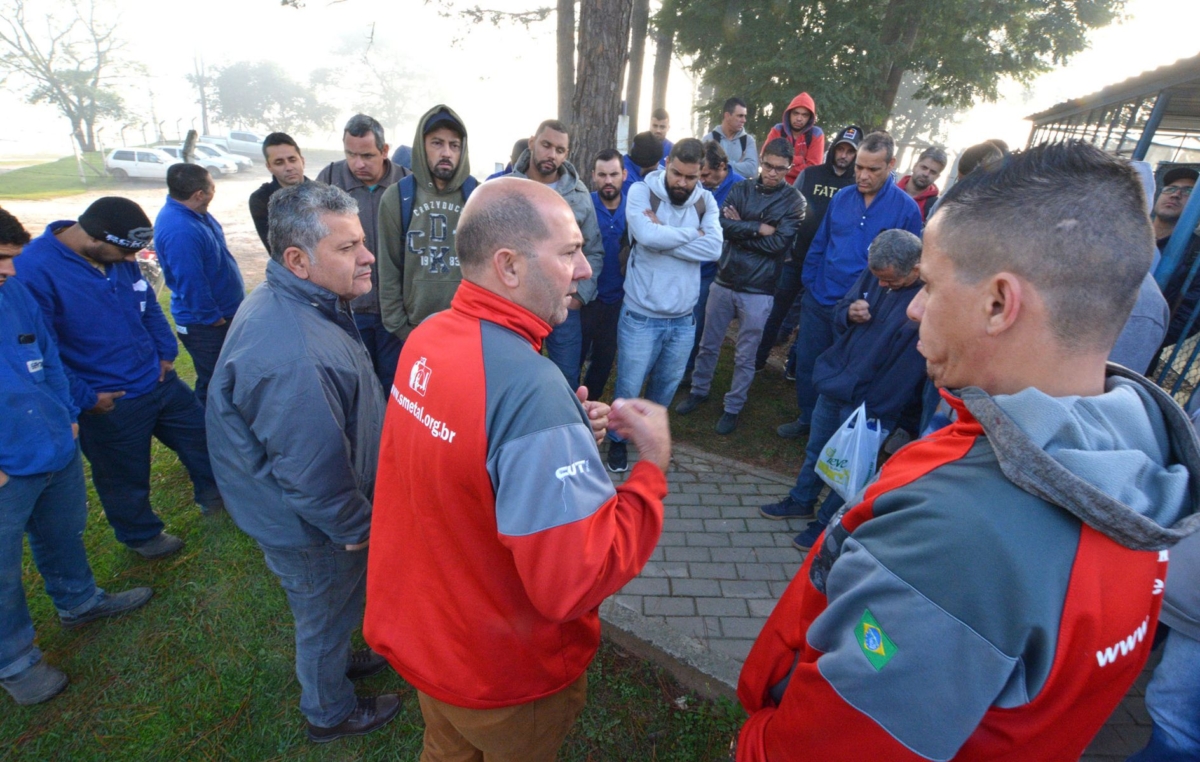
column 759, row 220
column 838, row 255
column 1177, row 185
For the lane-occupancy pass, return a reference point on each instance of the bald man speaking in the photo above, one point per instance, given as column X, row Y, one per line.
column 496, row 532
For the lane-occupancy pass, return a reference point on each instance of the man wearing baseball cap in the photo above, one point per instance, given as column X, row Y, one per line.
column 644, row 155
column 118, row 353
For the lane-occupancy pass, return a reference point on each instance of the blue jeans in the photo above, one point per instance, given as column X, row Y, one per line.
column 815, row 336
column 787, row 288
column 203, row 343
column 117, row 444
column 651, row 351
column 827, row 416
column 52, row 509
column 1173, row 700
column 564, row 346
column 699, row 313
column 326, row 588
column 383, row 346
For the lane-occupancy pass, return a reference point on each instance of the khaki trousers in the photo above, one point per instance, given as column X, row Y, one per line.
column 530, row 732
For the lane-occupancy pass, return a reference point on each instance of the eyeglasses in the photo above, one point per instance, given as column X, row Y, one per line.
column 1182, row 190
column 777, row 169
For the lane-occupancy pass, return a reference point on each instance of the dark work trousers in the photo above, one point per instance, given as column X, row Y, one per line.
column 203, row 343
column 599, row 322
column 787, row 288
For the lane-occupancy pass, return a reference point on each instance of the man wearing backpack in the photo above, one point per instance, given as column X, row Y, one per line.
column 418, row 216
column 799, row 125
column 738, row 144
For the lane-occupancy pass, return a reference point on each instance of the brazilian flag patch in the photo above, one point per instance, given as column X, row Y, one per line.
column 874, row 642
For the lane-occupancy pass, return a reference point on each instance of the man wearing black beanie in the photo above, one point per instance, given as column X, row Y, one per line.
column 118, row 353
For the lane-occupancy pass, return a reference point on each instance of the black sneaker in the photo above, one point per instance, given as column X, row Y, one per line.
column 786, row 509
column 793, row 430
column 727, row 423
column 692, row 402
column 789, row 375
column 618, row 457
column 364, row 663
column 160, row 547
column 371, row 713
column 806, row 539
column 112, row 604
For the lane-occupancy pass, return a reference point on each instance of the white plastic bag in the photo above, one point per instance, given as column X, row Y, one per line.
column 847, row 461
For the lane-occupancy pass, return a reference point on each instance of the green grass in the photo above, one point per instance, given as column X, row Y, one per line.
column 205, row 670
column 55, row 178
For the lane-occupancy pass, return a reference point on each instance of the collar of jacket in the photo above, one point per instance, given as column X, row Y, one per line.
column 286, row 283
column 479, row 303
column 183, row 208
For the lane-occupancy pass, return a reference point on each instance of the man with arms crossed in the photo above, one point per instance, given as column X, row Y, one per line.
column 994, row 593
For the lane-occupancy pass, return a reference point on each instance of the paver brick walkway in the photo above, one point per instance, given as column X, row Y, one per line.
column 719, row 569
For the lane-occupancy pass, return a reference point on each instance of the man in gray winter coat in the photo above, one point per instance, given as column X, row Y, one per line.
column 545, row 161
column 294, row 418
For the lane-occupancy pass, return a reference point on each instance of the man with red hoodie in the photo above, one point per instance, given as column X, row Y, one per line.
column 496, row 532
column 799, row 126
column 920, row 184
column 993, row 594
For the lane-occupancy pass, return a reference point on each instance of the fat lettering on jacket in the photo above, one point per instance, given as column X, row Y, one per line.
column 825, row 190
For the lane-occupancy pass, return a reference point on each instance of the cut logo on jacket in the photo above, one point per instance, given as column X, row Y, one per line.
column 578, row 467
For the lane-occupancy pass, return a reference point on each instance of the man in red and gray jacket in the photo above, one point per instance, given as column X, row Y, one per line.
column 994, row 593
column 496, row 532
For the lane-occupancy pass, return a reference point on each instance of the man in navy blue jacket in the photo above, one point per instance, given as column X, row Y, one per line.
column 838, row 255
column 42, row 492
column 118, row 354
column 206, row 285
column 873, row 360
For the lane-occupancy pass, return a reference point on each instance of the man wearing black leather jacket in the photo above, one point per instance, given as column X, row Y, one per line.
column 760, row 219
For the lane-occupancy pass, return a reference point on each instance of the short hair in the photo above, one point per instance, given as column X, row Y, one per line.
column 1067, row 217
column 714, row 155
column 732, row 103
column 294, row 216
column 934, row 153
column 660, row 114
column 1002, row 145
column 279, row 139
column 879, row 141
column 360, row 124
column 897, row 249
column 185, row 179
column 608, row 154
column 687, row 151
column 12, row 232
column 519, row 147
column 985, row 155
column 511, row 221
column 781, row 147
column 552, row 124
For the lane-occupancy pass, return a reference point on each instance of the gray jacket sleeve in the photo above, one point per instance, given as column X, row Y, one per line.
column 296, row 413
column 593, row 249
column 747, row 166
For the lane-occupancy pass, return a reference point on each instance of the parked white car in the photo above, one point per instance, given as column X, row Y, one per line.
column 217, row 152
column 124, row 163
column 215, row 166
column 239, row 141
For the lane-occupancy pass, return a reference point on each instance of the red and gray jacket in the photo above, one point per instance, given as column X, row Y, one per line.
column 994, row 593
column 497, row 532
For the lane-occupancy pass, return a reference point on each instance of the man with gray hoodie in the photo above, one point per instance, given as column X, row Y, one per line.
column 674, row 228
column 418, row 217
column 545, row 161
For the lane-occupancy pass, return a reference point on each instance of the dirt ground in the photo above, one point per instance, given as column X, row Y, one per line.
column 230, row 206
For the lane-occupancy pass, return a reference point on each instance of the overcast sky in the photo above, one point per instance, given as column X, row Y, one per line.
column 501, row 80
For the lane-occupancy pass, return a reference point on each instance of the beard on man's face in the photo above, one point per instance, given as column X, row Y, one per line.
column 609, row 192
column 678, row 195
column 443, row 171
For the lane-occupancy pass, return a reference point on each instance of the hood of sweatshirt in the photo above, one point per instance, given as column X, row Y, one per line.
column 568, row 181
column 420, row 161
column 657, row 180
column 803, row 100
column 1126, row 462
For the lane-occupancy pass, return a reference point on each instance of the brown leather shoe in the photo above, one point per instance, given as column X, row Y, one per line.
column 371, row 713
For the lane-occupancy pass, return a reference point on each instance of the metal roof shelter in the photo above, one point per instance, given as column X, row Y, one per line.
column 1153, row 117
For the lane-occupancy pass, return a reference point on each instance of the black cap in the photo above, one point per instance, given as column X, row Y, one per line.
column 647, row 150
column 851, row 134
column 443, row 118
column 1176, row 173
column 118, row 221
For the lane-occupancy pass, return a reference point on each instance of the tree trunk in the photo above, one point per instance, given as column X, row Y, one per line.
column 603, row 34
column 637, row 55
column 664, row 49
column 901, row 24
column 202, row 87
column 566, row 58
